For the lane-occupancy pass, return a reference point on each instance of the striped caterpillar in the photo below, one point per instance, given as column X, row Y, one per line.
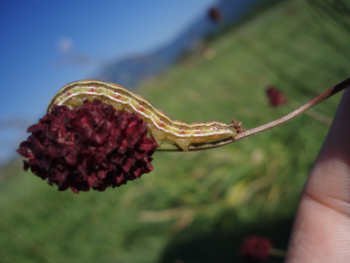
column 159, row 125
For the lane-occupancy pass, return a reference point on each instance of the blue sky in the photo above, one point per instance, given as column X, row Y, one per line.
column 37, row 38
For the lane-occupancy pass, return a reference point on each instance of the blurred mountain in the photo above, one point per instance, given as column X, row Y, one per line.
column 130, row 71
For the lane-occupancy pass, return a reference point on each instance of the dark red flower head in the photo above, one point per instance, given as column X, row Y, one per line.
column 92, row 146
column 214, row 14
column 255, row 248
column 276, row 97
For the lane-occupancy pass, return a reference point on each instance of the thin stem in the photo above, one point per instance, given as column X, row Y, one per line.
column 312, row 113
column 277, row 252
column 246, row 134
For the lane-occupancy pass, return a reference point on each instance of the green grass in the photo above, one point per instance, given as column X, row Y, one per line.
column 197, row 206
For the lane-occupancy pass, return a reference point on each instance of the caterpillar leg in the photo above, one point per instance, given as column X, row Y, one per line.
column 183, row 143
column 116, row 105
column 157, row 135
column 75, row 102
column 158, row 141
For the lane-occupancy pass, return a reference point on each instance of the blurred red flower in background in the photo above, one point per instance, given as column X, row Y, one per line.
column 276, row 97
column 255, row 248
column 92, row 146
column 214, row 14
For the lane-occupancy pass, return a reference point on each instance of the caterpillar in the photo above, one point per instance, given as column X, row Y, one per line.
column 159, row 125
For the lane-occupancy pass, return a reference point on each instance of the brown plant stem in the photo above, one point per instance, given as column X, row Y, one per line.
column 312, row 113
column 246, row 134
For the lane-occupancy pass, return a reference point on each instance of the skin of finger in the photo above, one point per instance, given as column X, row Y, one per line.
column 321, row 231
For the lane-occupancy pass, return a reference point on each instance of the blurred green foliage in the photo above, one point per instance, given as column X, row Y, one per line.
column 197, row 206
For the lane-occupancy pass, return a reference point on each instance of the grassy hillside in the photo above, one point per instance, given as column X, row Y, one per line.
column 197, row 207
